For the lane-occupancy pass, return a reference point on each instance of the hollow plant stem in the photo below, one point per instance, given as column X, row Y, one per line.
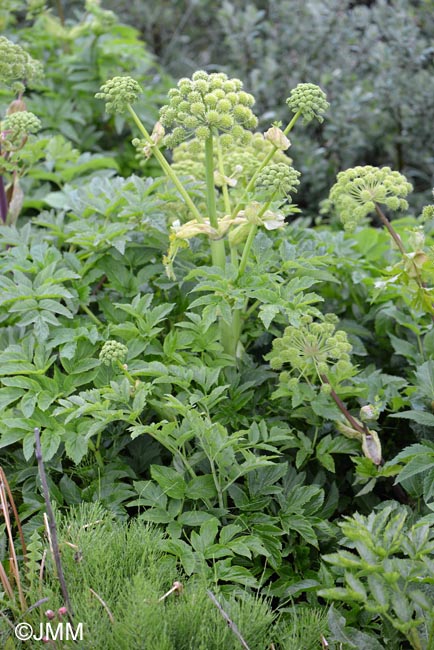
column 237, row 314
column 221, row 168
column 226, row 197
column 217, row 246
column 167, row 169
column 218, row 252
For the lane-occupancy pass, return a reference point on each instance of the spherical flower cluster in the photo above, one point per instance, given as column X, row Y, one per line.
column 19, row 124
column 118, row 93
column 313, row 349
column 428, row 213
column 112, row 351
column 358, row 189
column 205, row 104
column 309, row 100
column 279, row 179
column 240, row 161
column 188, row 159
column 16, row 65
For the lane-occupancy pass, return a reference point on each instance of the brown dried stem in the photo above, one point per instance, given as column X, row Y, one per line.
column 52, row 524
column 228, row 620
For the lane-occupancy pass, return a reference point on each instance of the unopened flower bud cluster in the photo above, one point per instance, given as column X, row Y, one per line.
column 16, row 65
column 427, row 213
column 118, row 93
column 206, row 104
column 17, row 125
column 358, row 189
column 309, row 100
column 278, row 179
column 112, row 351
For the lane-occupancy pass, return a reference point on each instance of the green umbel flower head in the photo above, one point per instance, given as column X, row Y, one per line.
column 17, row 125
column 240, row 161
column 310, row 100
column 113, row 351
column 118, row 93
column 312, row 349
column 358, row 189
column 278, row 179
column 16, row 65
column 207, row 103
column 427, row 212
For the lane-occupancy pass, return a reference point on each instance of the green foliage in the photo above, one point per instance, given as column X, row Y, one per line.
column 201, row 358
column 387, row 572
column 134, row 606
column 355, row 51
column 79, row 54
column 417, row 461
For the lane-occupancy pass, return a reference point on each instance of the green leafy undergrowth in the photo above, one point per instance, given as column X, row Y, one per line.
column 386, row 573
column 117, row 576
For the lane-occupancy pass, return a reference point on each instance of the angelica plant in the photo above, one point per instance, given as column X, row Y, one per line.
column 386, row 571
column 319, row 355
column 361, row 191
column 208, row 122
column 17, row 67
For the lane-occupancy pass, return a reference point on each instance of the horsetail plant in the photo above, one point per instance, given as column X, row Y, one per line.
column 208, row 122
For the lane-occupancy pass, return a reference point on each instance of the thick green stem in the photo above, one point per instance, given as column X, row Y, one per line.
column 91, row 315
column 3, row 202
column 165, row 166
column 265, row 162
column 237, row 322
column 218, row 253
column 414, row 639
column 247, row 247
column 221, row 167
column 226, row 199
column 217, row 246
column 251, row 236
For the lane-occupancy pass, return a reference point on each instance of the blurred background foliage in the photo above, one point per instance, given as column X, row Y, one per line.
column 375, row 60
